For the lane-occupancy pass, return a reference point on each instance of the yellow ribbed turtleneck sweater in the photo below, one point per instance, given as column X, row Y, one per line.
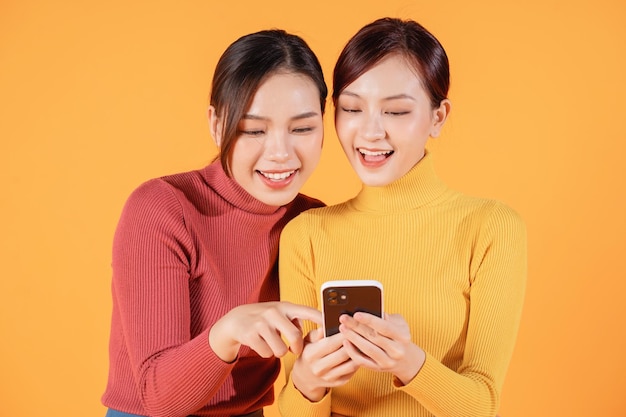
column 453, row 266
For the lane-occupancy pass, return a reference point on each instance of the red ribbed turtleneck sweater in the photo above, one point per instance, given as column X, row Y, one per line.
column 188, row 248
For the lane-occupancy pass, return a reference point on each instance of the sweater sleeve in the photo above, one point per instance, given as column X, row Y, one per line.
column 297, row 286
column 497, row 285
column 175, row 375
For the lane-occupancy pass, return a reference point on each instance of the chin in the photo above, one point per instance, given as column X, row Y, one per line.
column 278, row 199
column 374, row 179
column 378, row 183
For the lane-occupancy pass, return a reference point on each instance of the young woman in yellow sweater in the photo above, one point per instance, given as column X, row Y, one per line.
column 453, row 267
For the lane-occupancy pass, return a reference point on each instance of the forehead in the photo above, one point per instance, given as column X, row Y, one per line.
column 393, row 75
column 285, row 94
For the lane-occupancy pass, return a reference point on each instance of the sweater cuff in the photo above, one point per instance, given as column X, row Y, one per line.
column 292, row 403
column 210, row 355
column 427, row 385
column 428, row 377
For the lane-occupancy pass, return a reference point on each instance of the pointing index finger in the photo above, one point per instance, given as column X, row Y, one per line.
column 296, row 311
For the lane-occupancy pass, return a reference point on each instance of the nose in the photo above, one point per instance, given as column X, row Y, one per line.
column 278, row 147
column 373, row 128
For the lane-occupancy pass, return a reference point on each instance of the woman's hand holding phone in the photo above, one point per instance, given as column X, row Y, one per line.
column 354, row 334
column 382, row 344
column 323, row 364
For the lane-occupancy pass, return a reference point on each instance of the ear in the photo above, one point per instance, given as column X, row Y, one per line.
column 215, row 125
column 440, row 115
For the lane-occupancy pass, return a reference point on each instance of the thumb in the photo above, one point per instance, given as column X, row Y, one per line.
column 315, row 335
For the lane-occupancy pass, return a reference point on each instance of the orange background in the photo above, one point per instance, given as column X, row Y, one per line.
column 97, row 97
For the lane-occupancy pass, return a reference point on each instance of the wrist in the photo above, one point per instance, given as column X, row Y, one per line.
column 308, row 391
column 224, row 347
column 409, row 372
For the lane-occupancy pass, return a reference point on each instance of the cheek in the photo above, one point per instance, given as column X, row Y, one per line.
column 419, row 127
column 245, row 154
column 344, row 130
column 412, row 133
column 309, row 149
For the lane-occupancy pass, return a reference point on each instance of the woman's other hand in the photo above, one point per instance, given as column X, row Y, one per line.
column 324, row 364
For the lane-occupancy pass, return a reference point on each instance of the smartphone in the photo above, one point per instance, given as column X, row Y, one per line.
column 348, row 297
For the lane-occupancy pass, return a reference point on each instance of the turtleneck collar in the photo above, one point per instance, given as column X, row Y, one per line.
column 231, row 191
column 418, row 187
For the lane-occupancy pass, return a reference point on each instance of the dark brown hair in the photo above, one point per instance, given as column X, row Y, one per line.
column 387, row 36
column 245, row 64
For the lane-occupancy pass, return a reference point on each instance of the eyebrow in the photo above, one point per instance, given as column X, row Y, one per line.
column 393, row 97
column 300, row 116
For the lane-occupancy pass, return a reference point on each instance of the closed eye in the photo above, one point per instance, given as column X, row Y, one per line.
column 252, row 132
column 397, row 113
column 348, row 110
column 301, row 130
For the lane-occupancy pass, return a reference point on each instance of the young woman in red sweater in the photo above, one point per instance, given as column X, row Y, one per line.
column 196, row 325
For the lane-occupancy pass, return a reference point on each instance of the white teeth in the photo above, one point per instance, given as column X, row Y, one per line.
column 277, row 176
column 377, row 153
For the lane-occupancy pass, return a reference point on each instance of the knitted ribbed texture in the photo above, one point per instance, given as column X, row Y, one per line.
column 453, row 266
column 188, row 248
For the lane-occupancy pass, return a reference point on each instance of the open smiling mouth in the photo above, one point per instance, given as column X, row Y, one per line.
column 277, row 176
column 374, row 156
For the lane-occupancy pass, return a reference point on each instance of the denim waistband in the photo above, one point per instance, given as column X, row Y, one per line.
column 115, row 413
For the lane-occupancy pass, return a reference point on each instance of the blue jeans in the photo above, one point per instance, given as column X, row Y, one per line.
column 115, row 413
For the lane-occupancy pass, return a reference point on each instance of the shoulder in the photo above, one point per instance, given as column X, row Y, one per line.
column 151, row 210
column 486, row 209
column 304, row 202
column 174, row 189
column 495, row 220
column 501, row 216
column 151, row 221
column 160, row 197
column 506, row 224
column 150, row 193
column 488, row 219
column 300, row 206
column 316, row 218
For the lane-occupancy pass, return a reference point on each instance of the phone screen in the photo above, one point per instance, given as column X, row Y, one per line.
column 348, row 297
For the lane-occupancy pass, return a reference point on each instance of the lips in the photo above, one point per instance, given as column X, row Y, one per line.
column 277, row 180
column 374, row 158
column 277, row 176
